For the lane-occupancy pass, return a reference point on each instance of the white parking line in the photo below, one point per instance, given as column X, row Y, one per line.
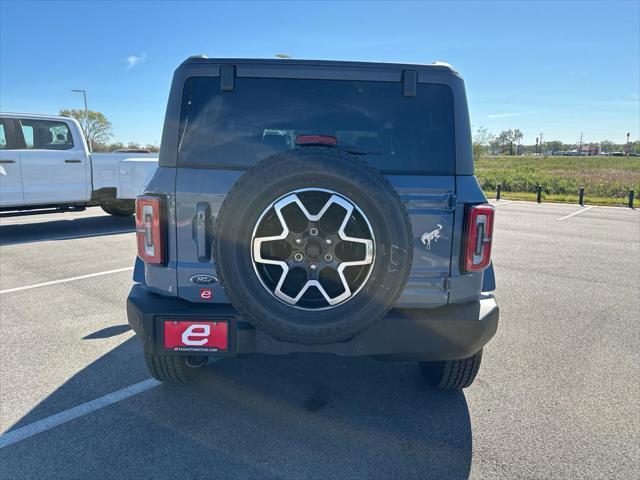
column 87, row 235
column 72, row 237
column 65, row 280
column 576, row 213
column 53, row 217
column 40, row 426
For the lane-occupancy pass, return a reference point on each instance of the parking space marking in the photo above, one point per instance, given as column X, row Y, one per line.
column 40, row 426
column 65, row 280
column 72, row 237
column 45, row 218
column 576, row 213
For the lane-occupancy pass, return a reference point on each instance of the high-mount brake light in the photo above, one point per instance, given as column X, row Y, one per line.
column 478, row 237
column 316, row 140
column 149, row 229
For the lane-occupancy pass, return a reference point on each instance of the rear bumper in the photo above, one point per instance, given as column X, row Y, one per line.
column 445, row 333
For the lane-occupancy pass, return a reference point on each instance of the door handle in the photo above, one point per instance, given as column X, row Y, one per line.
column 203, row 231
column 7, row 161
column 73, row 161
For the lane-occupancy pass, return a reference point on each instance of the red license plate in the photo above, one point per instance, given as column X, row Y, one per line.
column 196, row 336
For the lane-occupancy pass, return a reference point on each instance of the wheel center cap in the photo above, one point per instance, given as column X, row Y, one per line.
column 313, row 249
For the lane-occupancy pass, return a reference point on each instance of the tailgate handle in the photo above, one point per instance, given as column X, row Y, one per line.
column 203, row 231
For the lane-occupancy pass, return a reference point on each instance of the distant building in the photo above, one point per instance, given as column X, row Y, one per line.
column 589, row 149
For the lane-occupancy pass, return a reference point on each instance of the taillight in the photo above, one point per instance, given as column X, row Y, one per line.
column 149, row 229
column 478, row 235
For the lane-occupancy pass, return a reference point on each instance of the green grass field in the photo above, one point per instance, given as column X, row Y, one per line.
column 606, row 180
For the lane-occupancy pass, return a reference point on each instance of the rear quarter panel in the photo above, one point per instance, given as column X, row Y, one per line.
column 162, row 278
column 463, row 286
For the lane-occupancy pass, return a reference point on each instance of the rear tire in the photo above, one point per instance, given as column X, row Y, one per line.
column 120, row 208
column 451, row 374
column 106, row 208
column 171, row 369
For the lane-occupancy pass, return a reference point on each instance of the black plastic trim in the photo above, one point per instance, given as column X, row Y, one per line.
column 410, row 83
column 450, row 332
column 227, row 78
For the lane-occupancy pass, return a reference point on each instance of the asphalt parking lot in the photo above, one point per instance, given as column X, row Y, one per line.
column 558, row 394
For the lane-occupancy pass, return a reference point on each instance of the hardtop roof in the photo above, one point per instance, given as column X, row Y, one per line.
column 203, row 59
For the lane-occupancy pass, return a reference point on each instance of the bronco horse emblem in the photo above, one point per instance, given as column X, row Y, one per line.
column 431, row 236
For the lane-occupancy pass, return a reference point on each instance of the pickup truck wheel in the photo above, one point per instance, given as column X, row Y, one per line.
column 313, row 246
column 172, row 369
column 120, row 208
column 451, row 374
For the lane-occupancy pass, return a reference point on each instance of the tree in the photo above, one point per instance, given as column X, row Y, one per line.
column 607, row 146
column 553, row 146
column 517, row 136
column 96, row 128
column 506, row 137
column 481, row 140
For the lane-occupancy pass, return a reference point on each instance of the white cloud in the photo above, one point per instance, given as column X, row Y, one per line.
column 502, row 115
column 133, row 60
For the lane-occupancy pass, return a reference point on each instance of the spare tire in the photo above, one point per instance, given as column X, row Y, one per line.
column 313, row 246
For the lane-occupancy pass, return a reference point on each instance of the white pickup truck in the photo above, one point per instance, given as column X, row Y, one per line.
column 45, row 164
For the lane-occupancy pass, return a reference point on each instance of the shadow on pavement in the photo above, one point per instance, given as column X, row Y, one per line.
column 13, row 233
column 259, row 417
column 108, row 332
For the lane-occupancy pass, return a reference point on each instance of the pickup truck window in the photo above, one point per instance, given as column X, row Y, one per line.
column 46, row 135
column 3, row 137
column 263, row 116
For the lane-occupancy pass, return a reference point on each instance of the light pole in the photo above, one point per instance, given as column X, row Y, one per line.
column 86, row 117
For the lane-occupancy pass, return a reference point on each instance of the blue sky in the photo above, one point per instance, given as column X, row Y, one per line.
column 552, row 67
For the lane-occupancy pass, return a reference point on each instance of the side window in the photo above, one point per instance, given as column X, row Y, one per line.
column 27, row 133
column 46, row 135
column 3, row 137
column 7, row 135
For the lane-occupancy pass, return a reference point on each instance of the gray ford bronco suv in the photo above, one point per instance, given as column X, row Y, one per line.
column 314, row 207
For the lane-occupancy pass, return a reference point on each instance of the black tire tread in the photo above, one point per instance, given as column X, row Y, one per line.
column 171, row 369
column 456, row 374
column 120, row 208
column 106, row 208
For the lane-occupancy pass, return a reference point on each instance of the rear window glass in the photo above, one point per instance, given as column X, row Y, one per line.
column 263, row 116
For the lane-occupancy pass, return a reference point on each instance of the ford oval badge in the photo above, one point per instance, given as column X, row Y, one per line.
column 203, row 279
